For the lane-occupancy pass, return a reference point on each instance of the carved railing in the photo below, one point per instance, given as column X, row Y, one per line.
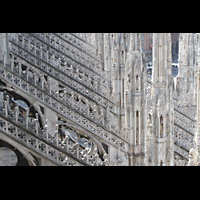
column 38, row 143
column 183, row 137
column 11, row 75
column 81, row 45
column 180, row 160
column 181, row 151
column 46, row 50
column 184, row 114
column 61, row 92
column 93, row 89
column 58, row 45
column 68, row 80
column 87, row 40
column 189, row 112
column 84, row 40
column 184, row 127
column 27, row 131
column 184, row 122
column 62, row 46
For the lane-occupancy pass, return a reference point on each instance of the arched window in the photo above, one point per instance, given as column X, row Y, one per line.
column 177, row 46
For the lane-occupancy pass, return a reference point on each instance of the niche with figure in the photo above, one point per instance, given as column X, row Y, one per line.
column 137, row 127
column 161, row 127
column 122, row 58
column 161, row 163
column 137, row 83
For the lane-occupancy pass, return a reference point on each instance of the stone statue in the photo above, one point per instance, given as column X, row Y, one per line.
column 193, row 155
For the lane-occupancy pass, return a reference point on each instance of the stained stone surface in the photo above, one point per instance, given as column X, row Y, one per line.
column 7, row 157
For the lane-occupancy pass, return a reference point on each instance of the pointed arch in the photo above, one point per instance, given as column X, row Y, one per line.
column 20, row 151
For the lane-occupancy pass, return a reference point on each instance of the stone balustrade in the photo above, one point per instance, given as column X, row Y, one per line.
column 78, row 43
column 55, row 57
column 62, row 47
column 82, row 40
column 37, row 143
column 183, row 138
column 184, row 122
column 62, row 108
column 184, row 127
column 179, row 160
column 181, row 151
column 77, row 79
column 28, row 132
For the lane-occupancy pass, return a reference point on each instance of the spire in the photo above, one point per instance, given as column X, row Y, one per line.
column 4, row 50
column 161, row 102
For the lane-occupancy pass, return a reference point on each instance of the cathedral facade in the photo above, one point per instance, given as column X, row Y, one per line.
column 85, row 99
